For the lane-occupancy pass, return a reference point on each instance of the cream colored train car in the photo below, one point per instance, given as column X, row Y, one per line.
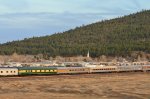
column 72, row 70
column 104, row 69
column 8, row 71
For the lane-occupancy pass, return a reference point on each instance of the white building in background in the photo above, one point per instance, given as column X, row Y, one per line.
column 11, row 64
column 88, row 54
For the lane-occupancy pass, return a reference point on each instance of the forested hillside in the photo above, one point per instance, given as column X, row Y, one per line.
column 114, row 37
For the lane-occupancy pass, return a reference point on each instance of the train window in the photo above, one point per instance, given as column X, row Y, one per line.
column 1, row 71
column 51, row 70
column 55, row 70
column 46, row 70
column 22, row 71
column 42, row 71
column 14, row 71
column 33, row 71
column 38, row 70
column 11, row 71
column 6, row 71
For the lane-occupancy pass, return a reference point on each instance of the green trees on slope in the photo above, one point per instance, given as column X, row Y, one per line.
column 114, row 37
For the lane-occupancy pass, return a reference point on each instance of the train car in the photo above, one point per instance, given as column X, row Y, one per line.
column 103, row 69
column 8, row 71
column 146, row 67
column 37, row 70
column 129, row 68
column 72, row 70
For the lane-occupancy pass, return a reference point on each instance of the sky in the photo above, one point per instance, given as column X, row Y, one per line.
column 21, row 19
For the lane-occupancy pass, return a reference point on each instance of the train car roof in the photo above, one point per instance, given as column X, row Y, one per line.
column 71, row 67
column 8, row 68
column 36, row 68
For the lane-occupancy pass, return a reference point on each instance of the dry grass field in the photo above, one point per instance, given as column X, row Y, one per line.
column 94, row 86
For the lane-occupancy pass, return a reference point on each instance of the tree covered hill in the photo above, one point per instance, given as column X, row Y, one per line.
column 114, row 37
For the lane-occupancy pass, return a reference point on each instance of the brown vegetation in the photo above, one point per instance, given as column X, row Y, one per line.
column 91, row 86
column 135, row 56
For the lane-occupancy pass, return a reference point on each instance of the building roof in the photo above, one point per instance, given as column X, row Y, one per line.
column 36, row 68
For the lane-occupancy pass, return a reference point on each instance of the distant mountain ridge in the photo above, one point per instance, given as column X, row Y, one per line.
column 114, row 37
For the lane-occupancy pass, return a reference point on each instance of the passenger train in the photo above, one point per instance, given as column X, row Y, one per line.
column 22, row 71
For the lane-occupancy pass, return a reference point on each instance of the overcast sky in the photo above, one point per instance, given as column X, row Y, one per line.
column 27, row 18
